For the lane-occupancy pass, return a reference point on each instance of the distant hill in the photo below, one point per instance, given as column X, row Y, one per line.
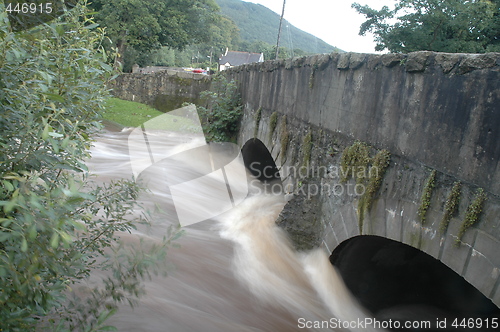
column 259, row 23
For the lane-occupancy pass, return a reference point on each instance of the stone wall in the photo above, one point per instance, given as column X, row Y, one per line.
column 439, row 109
column 165, row 90
column 431, row 111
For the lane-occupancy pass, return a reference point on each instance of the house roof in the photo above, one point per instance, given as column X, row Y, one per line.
column 235, row 58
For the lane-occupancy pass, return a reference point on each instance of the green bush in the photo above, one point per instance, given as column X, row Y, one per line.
column 222, row 111
column 55, row 225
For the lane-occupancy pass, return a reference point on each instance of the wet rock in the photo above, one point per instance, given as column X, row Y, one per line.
column 301, row 220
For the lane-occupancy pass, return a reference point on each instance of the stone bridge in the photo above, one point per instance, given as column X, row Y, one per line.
column 436, row 114
column 375, row 151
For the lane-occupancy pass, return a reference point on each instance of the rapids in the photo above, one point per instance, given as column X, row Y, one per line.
column 236, row 272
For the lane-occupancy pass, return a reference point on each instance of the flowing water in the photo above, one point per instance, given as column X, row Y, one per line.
column 236, row 272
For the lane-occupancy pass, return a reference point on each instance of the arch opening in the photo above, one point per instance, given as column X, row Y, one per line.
column 259, row 161
column 396, row 281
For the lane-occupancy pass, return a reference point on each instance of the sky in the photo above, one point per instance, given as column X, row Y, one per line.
column 333, row 21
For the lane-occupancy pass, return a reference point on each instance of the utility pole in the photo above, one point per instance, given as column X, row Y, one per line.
column 279, row 30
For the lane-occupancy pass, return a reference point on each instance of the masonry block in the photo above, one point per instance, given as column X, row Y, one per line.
column 483, row 269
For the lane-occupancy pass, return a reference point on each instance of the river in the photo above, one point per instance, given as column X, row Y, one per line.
column 236, row 272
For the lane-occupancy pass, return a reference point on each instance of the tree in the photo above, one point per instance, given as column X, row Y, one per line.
column 222, row 34
column 55, row 224
column 149, row 24
column 268, row 50
column 221, row 111
column 435, row 25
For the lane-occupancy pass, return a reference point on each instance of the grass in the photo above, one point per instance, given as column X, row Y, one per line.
column 132, row 114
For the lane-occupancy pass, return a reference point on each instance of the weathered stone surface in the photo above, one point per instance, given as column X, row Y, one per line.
column 483, row 267
column 448, row 60
column 478, row 61
column 343, row 62
column 374, row 61
column 301, row 218
column 392, row 59
column 356, row 60
column 445, row 121
column 428, row 118
column 417, row 61
column 165, row 90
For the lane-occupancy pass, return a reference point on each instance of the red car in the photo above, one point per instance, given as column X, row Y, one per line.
column 199, row 71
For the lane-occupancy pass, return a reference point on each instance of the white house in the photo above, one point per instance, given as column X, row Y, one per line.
column 235, row 58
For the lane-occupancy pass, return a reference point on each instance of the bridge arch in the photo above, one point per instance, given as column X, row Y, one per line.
column 259, row 161
column 399, row 282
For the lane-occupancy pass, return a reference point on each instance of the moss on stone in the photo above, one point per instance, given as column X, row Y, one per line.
column 425, row 200
column 258, row 116
column 182, row 81
column 367, row 171
column 380, row 163
column 354, row 157
column 451, row 206
column 284, row 137
column 472, row 214
column 273, row 121
column 312, row 76
column 307, row 144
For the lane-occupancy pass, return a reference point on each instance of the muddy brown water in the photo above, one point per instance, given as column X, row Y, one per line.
column 236, row 272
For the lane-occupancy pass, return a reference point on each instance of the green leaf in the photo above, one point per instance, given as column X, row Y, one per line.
column 8, row 185
column 56, row 135
column 91, row 26
column 60, row 29
column 55, row 97
column 10, row 205
column 32, row 233
column 45, row 133
column 54, row 240
column 55, row 144
column 5, row 221
column 4, row 236
column 66, row 238
column 24, row 245
column 65, row 142
column 105, row 315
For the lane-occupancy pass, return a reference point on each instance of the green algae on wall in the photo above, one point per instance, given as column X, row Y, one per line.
column 451, row 206
column 472, row 214
column 425, row 200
